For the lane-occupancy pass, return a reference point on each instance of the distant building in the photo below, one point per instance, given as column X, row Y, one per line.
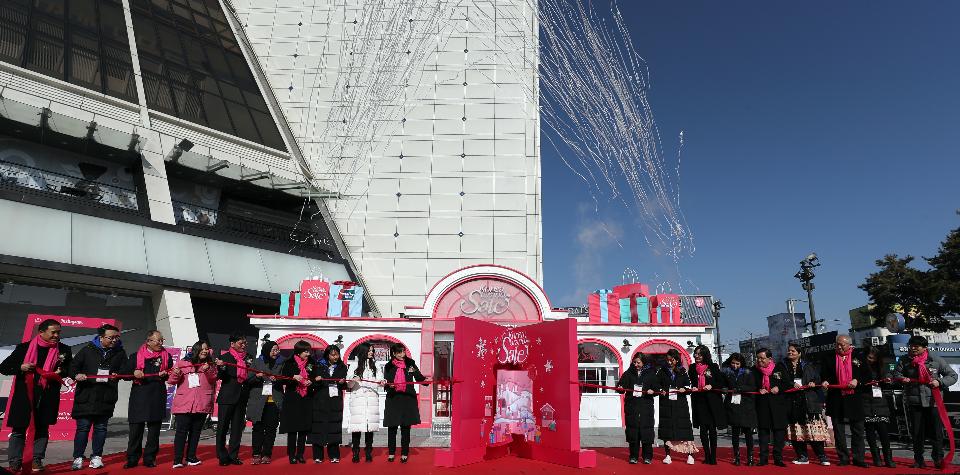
column 749, row 347
column 782, row 328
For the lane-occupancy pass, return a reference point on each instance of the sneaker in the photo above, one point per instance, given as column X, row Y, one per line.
column 77, row 464
column 38, row 466
column 96, row 462
column 177, row 465
column 667, row 460
column 15, row 467
column 194, row 462
column 824, row 462
column 334, row 460
column 690, row 460
column 647, row 461
column 317, row 460
column 633, row 461
column 801, row 460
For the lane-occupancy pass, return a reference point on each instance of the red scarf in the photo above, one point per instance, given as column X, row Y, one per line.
column 53, row 355
column 845, row 370
column 240, row 358
column 144, row 354
column 305, row 382
column 701, row 377
column 400, row 379
column 920, row 361
column 766, row 371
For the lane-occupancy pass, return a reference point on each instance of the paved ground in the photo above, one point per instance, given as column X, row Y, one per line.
column 61, row 451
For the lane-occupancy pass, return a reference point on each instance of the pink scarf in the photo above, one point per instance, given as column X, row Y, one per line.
column 144, row 354
column 919, row 360
column 400, row 379
column 701, row 377
column 240, row 358
column 766, row 371
column 845, row 370
column 52, row 356
column 302, row 365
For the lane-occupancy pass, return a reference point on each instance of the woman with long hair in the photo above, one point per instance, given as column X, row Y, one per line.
column 296, row 415
column 675, row 428
column 641, row 385
column 741, row 410
column 364, row 403
column 876, row 409
column 265, row 401
column 328, row 383
column 805, row 411
column 771, row 407
column 401, row 409
column 196, row 380
column 708, row 410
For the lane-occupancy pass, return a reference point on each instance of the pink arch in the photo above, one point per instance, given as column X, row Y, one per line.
column 663, row 341
column 345, row 355
column 607, row 346
column 308, row 337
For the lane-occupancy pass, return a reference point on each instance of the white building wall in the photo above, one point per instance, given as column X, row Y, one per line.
column 449, row 86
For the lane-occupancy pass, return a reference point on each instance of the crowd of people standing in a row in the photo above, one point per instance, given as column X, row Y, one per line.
column 302, row 397
column 785, row 400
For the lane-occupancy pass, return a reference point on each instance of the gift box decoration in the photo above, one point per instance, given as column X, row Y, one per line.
column 290, row 304
column 665, row 308
column 346, row 299
column 635, row 309
column 625, row 290
column 314, row 298
column 604, row 306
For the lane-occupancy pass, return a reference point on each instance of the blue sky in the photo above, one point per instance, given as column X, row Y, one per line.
column 811, row 126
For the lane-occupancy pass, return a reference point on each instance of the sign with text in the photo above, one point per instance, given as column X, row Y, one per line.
column 488, row 299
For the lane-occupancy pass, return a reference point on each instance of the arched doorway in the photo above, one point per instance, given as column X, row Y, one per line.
column 286, row 343
column 598, row 363
column 658, row 349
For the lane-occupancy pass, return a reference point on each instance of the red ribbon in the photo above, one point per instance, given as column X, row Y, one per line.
column 292, row 303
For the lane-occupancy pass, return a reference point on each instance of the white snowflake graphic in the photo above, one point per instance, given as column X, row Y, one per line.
column 539, row 341
column 481, row 348
column 548, row 366
column 541, row 389
column 483, row 383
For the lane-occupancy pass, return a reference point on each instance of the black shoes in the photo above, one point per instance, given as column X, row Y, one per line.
column 647, row 461
column 129, row 465
column 633, row 461
column 860, row 463
column 390, row 458
column 356, row 456
column 736, row 458
column 403, row 459
column 779, row 463
column 368, row 456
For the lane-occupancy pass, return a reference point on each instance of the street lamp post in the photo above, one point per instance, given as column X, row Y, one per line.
column 717, row 307
column 806, row 276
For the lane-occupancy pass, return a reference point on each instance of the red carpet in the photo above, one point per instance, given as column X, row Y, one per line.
column 609, row 460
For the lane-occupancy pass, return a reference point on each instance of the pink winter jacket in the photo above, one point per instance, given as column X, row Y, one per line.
column 193, row 400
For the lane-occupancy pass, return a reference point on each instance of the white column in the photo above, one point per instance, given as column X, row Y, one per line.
column 174, row 314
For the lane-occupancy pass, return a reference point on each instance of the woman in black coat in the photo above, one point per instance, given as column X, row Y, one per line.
column 771, row 406
column 741, row 408
column 401, row 408
column 641, row 384
column 296, row 415
column 804, row 409
column 708, row 410
column 327, row 428
column 876, row 408
column 675, row 428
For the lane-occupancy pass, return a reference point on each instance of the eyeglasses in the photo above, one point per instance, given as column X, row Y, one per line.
column 111, row 338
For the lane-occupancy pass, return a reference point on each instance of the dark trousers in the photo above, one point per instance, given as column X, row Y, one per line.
column 230, row 418
column 296, row 444
column 778, row 436
column 920, row 419
column 18, row 439
column 367, row 441
column 881, row 430
column 189, row 427
column 800, row 447
column 333, row 451
column 708, row 438
column 404, row 440
column 856, row 438
column 99, row 425
column 135, row 442
column 747, row 432
column 647, row 450
column 265, row 430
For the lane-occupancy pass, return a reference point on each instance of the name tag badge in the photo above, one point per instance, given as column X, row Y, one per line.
column 735, row 399
column 797, row 382
column 333, row 391
column 416, row 388
column 193, row 380
column 877, row 392
column 637, row 389
column 672, row 396
column 102, row 372
column 267, row 389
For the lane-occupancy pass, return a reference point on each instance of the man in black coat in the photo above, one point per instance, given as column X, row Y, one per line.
column 95, row 398
column 232, row 400
column 844, row 406
column 150, row 366
column 25, row 363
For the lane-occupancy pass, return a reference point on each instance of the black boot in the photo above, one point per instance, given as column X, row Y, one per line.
column 888, row 458
column 356, row 455
column 875, row 454
column 736, row 456
column 368, row 454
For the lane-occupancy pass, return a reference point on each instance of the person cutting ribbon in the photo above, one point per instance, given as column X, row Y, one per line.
column 148, row 399
column 232, row 398
column 36, row 365
column 844, row 405
column 95, row 397
column 932, row 374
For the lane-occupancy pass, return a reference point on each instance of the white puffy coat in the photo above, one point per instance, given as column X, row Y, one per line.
column 364, row 404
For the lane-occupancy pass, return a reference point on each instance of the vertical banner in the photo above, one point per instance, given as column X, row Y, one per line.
column 64, row 427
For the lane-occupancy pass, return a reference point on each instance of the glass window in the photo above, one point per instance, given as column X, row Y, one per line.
column 597, row 364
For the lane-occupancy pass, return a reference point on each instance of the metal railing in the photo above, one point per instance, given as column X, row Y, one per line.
column 15, row 175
